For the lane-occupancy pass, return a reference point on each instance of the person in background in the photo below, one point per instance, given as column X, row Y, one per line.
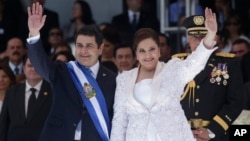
column 14, row 54
column 103, row 25
column 63, row 47
column 213, row 99
column 147, row 99
column 25, row 107
column 232, row 31
column 83, row 100
column 55, row 38
column 165, row 49
column 240, row 47
column 81, row 16
column 222, row 10
column 124, row 57
column 64, row 56
column 133, row 19
column 11, row 14
column 110, row 39
column 7, row 78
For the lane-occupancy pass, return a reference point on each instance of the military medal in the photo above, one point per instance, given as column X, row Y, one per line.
column 224, row 82
column 212, row 80
column 218, row 79
column 226, row 76
column 89, row 91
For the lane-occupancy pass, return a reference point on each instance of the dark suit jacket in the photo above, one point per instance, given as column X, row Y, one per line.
column 14, row 126
column 122, row 24
column 67, row 109
column 223, row 100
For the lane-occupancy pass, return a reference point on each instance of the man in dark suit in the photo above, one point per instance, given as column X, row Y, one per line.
column 133, row 19
column 213, row 99
column 83, row 89
column 20, row 119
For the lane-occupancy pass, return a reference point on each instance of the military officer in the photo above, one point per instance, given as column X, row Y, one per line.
column 212, row 100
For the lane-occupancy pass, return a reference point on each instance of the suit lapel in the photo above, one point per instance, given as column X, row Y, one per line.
column 101, row 75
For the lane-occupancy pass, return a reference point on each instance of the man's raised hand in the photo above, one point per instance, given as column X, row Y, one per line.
column 36, row 19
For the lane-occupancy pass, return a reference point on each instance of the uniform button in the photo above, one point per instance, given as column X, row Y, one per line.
column 198, row 86
column 74, row 125
column 196, row 113
column 197, row 100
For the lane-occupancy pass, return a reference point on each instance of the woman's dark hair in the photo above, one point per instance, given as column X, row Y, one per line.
column 145, row 33
column 67, row 54
column 86, row 12
column 111, row 35
column 9, row 73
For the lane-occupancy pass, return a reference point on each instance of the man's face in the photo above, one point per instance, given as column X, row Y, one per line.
column 87, row 50
column 194, row 41
column 30, row 72
column 15, row 50
column 124, row 59
column 134, row 5
column 239, row 50
column 55, row 37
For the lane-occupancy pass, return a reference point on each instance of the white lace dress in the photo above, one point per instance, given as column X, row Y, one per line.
column 150, row 110
column 143, row 93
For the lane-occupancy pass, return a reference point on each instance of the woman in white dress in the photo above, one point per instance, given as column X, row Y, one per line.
column 147, row 102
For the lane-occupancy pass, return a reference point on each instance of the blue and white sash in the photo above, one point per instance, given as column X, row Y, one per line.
column 95, row 105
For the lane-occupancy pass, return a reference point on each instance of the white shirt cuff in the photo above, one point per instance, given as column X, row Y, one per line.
column 34, row 39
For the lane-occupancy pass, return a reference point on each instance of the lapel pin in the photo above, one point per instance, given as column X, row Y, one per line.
column 45, row 93
column 104, row 74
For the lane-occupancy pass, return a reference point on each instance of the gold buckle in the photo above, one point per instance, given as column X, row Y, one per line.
column 196, row 123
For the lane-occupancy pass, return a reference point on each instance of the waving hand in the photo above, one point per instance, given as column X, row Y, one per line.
column 36, row 19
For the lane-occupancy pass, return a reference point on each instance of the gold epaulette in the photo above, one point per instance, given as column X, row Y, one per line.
column 180, row 55
column 224, row 54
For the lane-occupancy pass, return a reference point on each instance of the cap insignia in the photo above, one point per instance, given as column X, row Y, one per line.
column 198, row 20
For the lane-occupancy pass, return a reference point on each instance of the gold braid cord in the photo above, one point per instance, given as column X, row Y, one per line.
column 190, row 89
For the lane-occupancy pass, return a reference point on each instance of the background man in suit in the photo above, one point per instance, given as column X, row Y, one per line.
column 23, row 114
column 13, row 57
column 213, row 99
column 132, row 19
column 124, row 57
column 83, row 89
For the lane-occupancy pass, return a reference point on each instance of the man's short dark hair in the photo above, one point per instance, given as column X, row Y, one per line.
column 166, row 37
column 124, row 45
column 91, row 30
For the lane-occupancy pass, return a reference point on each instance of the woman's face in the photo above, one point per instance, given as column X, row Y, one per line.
column 108, row 49
column 4, row 80
column 233, row 26
column 77, row 10
column 148, row 54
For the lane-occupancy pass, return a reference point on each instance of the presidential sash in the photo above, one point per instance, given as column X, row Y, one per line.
column 92, row 97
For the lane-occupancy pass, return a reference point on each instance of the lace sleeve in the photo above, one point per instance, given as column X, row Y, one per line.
column 119, row 122
column 185, row 71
